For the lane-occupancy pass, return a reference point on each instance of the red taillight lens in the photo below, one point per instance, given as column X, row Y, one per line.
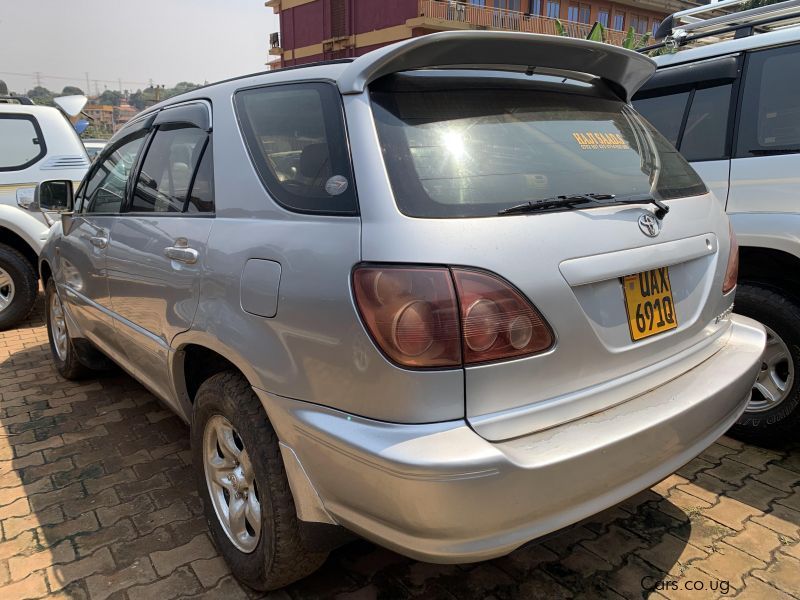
column 412, row 314
column 416, row 318
column 497, row 321
column 732, row 272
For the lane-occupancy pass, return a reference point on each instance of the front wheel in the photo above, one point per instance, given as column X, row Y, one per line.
column 18, row 287
column 240, row 476
column 773, row 414
column 62, row 349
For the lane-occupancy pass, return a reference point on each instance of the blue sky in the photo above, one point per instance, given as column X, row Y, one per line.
column 163, row 40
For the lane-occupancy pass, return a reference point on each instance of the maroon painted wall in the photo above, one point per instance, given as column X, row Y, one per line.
column 379, row 14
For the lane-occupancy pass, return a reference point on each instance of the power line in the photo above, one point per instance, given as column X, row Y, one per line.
column 39, row 76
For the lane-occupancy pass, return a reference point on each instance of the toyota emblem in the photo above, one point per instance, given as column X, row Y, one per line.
column 649, row 225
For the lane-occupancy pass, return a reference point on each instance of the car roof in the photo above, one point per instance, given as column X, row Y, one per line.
column 761, row 40
column 27, row 109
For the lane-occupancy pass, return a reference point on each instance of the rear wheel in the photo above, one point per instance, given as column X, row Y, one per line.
column 240, row 476
column 62, row 348
column 773, row 413
column 18, row 287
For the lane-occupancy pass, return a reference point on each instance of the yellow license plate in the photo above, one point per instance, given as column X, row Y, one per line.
column 649, row 303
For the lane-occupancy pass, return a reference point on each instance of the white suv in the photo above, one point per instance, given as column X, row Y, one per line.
column 36, row 143
column 731, row 108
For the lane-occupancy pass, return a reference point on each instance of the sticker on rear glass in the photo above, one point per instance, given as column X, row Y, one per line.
column 596, row 140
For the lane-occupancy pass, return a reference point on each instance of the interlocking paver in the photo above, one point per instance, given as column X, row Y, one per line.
column 98, row 500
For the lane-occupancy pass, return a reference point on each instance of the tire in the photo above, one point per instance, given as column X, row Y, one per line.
column 772, row 423
column 67, row 361
column 279, row 557
column 22, row 289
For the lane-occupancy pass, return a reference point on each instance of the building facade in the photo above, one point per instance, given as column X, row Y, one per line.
column 314, row 30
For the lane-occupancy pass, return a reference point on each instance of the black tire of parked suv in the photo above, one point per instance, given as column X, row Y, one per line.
column 71, row 367
column 280, row 558
column 26, row 285
column 780, row 313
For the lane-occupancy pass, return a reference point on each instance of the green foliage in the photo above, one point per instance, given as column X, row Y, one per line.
column 758, row 3
column 560, row 28
column 41, row 95
column 597, row 33
column 111, row 97
column 71, row 90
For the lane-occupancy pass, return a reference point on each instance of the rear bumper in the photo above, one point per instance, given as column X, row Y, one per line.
column 441, row 493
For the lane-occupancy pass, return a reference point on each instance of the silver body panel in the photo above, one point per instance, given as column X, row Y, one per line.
column 450, row 464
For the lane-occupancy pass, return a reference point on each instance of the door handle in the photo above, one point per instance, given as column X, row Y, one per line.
column 181, row 252
column 99, row 241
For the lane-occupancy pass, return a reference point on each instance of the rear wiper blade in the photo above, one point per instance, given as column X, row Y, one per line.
column 573, row 201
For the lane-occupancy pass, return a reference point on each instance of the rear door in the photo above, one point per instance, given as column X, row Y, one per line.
column 765, row 164
column 84, row 243
column 157, row 246
column 693, row 106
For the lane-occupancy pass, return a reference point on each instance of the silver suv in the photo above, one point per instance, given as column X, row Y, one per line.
column 733, row 112
column 447, row 309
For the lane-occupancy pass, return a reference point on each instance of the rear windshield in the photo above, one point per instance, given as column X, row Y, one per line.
column 472, row 152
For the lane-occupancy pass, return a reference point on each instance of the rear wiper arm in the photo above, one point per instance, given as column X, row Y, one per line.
column 575, row 200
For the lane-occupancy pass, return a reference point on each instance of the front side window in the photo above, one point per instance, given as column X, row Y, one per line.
column 166, row 174
column 471, row 152
column 296, row 137
column 21, row 142
column 105, row 190
column 770, row 122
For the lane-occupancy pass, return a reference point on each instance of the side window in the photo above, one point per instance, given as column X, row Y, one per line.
column 21, row 142
column 201, row 196
column 665, row 113
column 105, row 189
column 296, row 137
column 706, row 131
column 166, row 174
column 771, row 114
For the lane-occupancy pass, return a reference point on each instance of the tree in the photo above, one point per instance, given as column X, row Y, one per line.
column 111, row 97
column 41, row 95
column 71, row 90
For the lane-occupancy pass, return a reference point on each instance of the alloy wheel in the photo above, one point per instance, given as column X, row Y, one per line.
column 776, row 377
column 231, row 483
column 6, row 289
column 58, row 326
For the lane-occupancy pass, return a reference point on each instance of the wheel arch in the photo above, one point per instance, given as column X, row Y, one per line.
column 13, row 239
column 771, row 268
column 195, row 359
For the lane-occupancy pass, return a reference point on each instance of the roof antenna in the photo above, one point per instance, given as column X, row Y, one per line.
column 529, row 71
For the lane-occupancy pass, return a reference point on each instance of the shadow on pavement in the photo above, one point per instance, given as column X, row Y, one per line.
column 97, row 492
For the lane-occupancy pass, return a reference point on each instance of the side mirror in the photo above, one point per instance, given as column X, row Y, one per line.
column 55, row 195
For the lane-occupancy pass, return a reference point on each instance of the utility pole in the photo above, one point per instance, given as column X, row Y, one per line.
column 120, row 86
column 88, row 87
column 38, row 76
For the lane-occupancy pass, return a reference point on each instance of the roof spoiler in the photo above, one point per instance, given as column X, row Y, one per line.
column 625, row 70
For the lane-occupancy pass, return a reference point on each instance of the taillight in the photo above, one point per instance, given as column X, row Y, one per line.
column 411, row 313
column 732, row 272
column 418, row 320
column 497, row 321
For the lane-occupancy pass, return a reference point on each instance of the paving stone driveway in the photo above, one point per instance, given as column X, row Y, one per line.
column 97, row 501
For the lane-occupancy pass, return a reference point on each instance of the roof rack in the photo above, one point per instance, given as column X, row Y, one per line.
column 16, row 100
column 716, row 19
